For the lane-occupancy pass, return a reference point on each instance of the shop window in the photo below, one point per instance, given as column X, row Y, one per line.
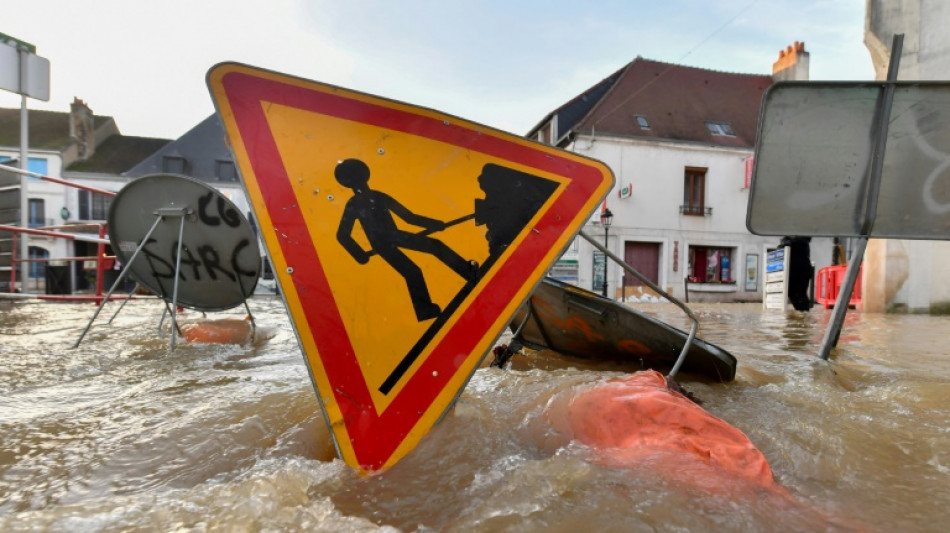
column 710, row 264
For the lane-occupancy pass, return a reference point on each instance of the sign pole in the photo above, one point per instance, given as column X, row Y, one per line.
column 870, row 212
column 24, row 163
column 24, row 73
column 118, row 280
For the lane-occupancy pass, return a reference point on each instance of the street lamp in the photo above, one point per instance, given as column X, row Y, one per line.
column 606, row 217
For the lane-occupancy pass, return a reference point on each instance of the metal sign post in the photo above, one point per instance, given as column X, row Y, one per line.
column 118, row 280
column 853, row 159
column 27, row 74
column 882, row 120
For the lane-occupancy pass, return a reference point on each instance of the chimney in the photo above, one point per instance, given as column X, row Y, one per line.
column 82, row 128
column 792, row 64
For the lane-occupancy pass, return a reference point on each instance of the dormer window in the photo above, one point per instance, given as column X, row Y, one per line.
column 642, row 122
column 173, row 164
column 720, row 129
column 224, row 170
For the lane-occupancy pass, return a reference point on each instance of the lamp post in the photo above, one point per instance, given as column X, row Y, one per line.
column 606, row 217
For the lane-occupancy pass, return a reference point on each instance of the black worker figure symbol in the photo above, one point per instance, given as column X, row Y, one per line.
column 374, row 210
column 512, row 199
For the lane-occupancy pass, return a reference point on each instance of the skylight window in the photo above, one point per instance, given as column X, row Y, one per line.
column 642, row 122
column 721, row 129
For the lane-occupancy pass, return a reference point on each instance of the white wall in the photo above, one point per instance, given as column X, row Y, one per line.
column 53, row 196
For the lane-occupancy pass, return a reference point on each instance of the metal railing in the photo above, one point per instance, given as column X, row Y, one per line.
column 40, row 222
column 695, row 211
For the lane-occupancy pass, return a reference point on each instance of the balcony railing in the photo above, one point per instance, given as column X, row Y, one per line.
column 695, row 211
column 40, row 222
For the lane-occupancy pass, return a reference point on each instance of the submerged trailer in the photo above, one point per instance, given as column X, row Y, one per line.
column 579, row 323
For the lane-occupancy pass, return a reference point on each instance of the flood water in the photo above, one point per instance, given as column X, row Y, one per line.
column 122, row 434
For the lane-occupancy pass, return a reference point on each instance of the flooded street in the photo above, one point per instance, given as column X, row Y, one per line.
column 122, row 434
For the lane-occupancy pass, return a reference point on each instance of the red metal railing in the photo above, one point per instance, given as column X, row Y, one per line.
column 103, row 262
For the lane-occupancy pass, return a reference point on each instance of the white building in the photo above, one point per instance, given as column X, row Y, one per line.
column 80, row 147
column 680, row 141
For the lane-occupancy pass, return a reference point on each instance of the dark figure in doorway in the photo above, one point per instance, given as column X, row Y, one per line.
column 800, row 271
column 375, row 210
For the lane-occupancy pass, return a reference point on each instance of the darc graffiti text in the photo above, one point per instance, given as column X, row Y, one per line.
column 204, row 260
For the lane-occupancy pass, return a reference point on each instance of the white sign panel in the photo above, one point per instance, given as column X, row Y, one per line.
column 36, row 81
column 776, row 284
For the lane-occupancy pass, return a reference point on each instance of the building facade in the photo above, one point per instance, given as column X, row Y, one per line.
column 79, row 147
column 680, row 141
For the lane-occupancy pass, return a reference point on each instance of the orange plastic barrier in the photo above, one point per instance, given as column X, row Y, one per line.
column 638, row 420
column 828, row 283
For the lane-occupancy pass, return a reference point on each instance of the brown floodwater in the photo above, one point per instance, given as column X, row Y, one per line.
column 123, row 434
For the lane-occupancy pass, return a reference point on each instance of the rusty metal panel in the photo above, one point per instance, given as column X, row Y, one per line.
column 580, row 323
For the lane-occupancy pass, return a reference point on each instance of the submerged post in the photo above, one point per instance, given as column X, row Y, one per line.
column 882, row 119
column 181, row 234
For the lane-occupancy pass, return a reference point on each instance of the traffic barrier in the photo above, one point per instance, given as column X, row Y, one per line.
column 828, row 284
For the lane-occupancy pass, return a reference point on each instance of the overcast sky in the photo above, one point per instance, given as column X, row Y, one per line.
column 503, row 63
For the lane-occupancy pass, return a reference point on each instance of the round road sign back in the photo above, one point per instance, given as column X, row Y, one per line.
column 220, row 260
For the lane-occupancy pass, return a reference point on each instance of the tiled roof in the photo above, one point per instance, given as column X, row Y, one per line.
column 47, row 129
column 578, row 107
column 202, row 147
column 119, row 153
column 677, row 102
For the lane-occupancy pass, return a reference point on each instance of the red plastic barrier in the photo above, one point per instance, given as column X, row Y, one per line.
column 828, row 283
